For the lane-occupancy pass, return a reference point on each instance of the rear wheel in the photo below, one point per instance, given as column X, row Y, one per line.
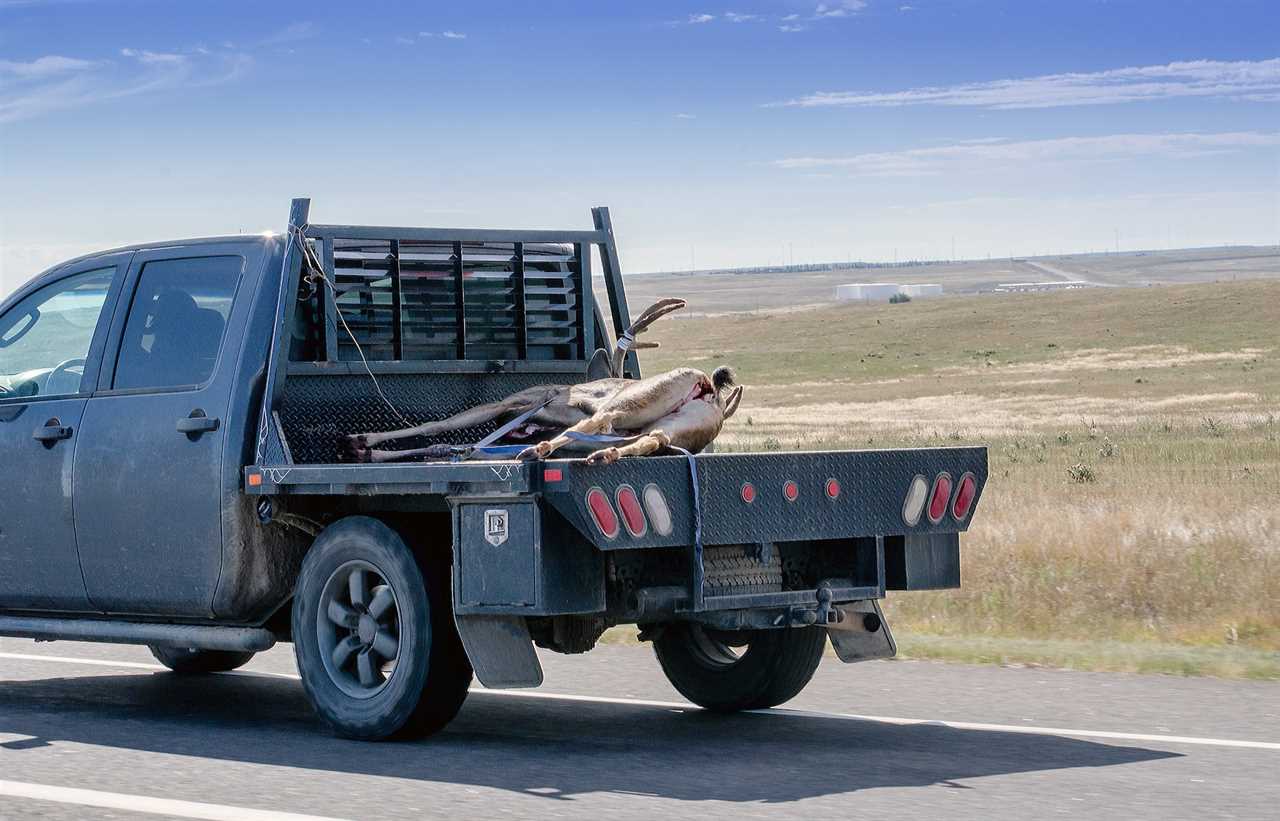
column 190, row 661
column 379, row 657
column 726, row 670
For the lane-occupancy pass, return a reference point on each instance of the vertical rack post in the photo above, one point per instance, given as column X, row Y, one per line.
column 397, row 321
column 612, row 269
column 522, row 321
column 329, row 300
column 459, row 297
column 286, row 304
column 586, row 300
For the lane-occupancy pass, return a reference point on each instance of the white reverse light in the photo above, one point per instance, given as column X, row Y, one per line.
column 914, row 505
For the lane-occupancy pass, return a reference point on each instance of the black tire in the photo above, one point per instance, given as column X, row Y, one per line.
column 344, row 662
column 740, row 670
column 190, row 661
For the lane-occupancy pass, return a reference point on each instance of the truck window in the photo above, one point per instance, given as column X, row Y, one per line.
column 176, row 322
column 45, row 338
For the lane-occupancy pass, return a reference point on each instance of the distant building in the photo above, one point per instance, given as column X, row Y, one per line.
column 917, row 291
column 868, row 291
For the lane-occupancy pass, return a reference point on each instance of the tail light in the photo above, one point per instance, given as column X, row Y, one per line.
column 632, row 513
column 940, row 497
column 659, row 512
column 602, row 512
column 913, row 505
column 790, row 490
column 833, row 488
column 748, row 492
column 966, row 491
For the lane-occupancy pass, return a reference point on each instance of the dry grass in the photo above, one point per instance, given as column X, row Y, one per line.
column 1134, row 441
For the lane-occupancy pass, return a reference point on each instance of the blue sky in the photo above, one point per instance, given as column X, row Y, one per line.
column 729, row 134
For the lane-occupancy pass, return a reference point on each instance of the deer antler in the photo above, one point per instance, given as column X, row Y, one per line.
column 627, row 342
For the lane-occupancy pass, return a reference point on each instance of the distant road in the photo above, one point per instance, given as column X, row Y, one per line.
column 97, row 732
column 1065, row 276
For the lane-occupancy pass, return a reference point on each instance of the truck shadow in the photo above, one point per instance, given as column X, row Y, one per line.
column 547, row 748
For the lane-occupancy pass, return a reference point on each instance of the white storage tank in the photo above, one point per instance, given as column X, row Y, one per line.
column 917, row 291
column 868, row 291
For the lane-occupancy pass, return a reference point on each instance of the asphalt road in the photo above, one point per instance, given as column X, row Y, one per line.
column 94, row 731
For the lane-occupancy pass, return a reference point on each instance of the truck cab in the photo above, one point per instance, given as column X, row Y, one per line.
column 171, row 418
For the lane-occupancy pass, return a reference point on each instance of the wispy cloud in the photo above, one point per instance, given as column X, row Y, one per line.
column 848, row 8
column 734, row 17
column 684, row 116
column 153, row 58
column 1253, row 80
column 695, row 19
column 453, row 35
column 999, row 151
column 49, row 66
column 56, row 83
column 790, row 28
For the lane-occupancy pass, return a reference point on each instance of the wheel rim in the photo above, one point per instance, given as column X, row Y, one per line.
column 717, row 648
column 358, row 627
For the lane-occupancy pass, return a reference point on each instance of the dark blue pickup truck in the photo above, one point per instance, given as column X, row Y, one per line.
column 171, row 421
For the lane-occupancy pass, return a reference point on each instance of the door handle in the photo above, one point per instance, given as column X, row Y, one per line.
column 197, row 424
column 52, row 433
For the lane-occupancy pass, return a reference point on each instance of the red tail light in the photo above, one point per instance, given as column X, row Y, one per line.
column 965, row 493
column 602, row 512
column 790, row 490
column 632, row 513
column 748, row 492
column 940, row 497
column 833, row 488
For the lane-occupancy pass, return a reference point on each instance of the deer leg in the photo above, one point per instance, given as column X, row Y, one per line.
column 599, row 423
column 356, row 446
column 650, row 442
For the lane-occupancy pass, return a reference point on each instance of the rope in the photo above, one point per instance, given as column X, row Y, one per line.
column 316, row 270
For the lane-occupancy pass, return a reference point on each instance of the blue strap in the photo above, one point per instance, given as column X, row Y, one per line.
column 486, row 445
column 699, row 571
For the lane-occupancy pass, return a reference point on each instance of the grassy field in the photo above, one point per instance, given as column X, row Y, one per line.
column 718, row 292
column 1134, row 435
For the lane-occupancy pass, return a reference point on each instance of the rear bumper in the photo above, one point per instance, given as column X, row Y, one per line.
column 871, row 485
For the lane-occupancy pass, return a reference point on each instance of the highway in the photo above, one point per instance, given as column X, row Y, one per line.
column 97, row 731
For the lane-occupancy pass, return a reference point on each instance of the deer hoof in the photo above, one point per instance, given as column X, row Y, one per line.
column 539, row 451
column 604, row 456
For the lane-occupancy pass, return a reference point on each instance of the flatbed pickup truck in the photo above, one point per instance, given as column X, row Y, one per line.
column 171, row 427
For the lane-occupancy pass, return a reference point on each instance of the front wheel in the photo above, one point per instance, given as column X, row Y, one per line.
column 190, row 661
column 378, row 656
column 730, row 670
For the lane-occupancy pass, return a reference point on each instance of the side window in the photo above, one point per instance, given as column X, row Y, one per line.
column 176, row 322
column 45, row 338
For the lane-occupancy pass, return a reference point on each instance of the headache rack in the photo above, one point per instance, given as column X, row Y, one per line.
column 434, row 320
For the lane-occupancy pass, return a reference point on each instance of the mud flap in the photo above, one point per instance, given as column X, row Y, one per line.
column 862, row 634
column 501, row 651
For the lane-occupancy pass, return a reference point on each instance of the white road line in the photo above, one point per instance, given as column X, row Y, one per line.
column 147, row 804
column 776, row 712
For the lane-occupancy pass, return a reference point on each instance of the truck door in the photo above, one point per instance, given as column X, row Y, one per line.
column 149, row 462
column 51, row 343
